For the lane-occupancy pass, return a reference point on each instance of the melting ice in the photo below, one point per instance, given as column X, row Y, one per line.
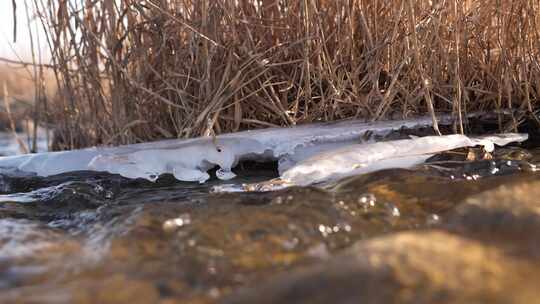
column 306, row 154
column 364, row 158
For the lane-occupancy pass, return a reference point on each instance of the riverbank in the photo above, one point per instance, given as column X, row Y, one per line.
column 146, row 71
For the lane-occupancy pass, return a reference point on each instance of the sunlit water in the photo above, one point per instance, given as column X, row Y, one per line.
column 99, row 238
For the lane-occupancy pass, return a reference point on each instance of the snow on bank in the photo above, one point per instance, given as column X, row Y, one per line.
column 299, row 150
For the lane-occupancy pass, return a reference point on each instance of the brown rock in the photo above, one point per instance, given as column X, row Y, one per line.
column 509, row 213
column 411, row 267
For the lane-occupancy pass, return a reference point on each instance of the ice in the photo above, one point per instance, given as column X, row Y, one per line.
column 488, row 141
column 190, row 160
column 46, row 164
column 364, row 158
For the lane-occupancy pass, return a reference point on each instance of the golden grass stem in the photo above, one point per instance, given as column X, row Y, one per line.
column 192, row 67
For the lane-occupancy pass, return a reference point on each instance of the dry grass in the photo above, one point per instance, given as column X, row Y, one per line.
column 133, row 70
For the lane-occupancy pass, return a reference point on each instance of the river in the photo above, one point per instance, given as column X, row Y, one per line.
column 449, row 231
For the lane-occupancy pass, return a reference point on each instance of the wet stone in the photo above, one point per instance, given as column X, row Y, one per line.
column 410, row 267
column 509, row 213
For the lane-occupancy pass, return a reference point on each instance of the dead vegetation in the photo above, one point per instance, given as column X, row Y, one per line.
column 132, row 71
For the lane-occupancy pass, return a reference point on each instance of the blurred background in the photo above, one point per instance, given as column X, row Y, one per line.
column 22, row 40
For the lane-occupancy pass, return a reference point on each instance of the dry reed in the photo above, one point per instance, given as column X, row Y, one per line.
column 131, row 71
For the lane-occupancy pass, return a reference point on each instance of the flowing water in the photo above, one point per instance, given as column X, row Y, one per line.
column 450, row 231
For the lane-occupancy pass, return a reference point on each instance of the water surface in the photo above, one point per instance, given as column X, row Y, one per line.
column 88, row 237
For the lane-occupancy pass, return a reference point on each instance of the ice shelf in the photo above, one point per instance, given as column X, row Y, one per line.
column 364, row 158
column 334, row 148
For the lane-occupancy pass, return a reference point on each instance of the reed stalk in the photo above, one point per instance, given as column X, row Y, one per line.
column 131, row 71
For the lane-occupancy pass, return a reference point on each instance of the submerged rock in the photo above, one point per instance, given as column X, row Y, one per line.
column 485, row 251
column 508, row 215
column 411, row 267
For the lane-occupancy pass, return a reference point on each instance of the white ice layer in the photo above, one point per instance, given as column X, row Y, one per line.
column 298, row 149
column 364, row 158
column 190, row 159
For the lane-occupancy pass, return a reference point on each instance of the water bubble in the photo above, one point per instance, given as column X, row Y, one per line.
column 433, row 219
column 279, row 200
column 322, row 230
column 99, row 188
column 343, row 205
column 325, row 230
column 392, row 209
column 109, row 194
column 367, row 201
column 175, row 223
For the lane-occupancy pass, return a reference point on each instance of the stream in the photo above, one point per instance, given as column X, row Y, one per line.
column 457, row 229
